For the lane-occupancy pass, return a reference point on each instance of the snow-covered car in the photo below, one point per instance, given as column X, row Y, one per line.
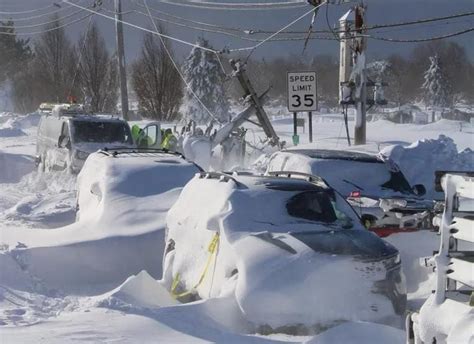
column 65, row 139
column 375, row 187
column 292, row 251
column 115, row 178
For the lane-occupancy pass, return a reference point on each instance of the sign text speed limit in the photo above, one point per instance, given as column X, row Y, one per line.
column 301, row 91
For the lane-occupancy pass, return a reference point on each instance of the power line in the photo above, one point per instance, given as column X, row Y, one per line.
column 252, row 49
column 83, row 46
column 41, row 24
column 27, row 11
column 396, row 40
column 36, row 16
column 6, row 33
column 176, row 66
column 237, row 6
column 193, row 21
column 376, row 26
column 141, row 28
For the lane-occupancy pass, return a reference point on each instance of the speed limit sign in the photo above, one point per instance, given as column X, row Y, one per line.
column 302, row 91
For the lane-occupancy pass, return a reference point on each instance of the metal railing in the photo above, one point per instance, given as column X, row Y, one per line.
column 453, row 266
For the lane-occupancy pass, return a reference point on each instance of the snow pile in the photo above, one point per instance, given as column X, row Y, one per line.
column 140, row 291
column 421, row 159
column 11, row 128
column 448, row 322
column 358, row 333
column 14, row 166
column 44, row 200
column 123, row 202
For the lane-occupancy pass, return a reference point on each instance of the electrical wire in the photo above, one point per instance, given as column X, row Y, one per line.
column 41, row 24
column 253, row 48
column 193, row 21
column 141, row 28
column 188, row 86
column 376, row 26
column 237, row 6
column 83, row 46
column 32, row 33
column 27, row 11
column 16, row 20
column 396, row 40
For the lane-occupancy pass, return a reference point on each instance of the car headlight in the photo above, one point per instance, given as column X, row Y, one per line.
column 390, row 203
column 81, row 155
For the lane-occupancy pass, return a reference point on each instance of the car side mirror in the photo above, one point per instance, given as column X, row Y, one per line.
column 419, row 190
column 63, row 141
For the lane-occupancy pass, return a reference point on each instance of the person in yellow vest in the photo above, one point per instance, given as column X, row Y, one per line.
column 169, row 141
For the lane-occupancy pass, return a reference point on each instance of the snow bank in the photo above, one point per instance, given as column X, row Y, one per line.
column 8, row 131
column 140, row 290
column 123, row 202
column 451, row 322
column 14, row 166
column 421, row 159
column 360, row 333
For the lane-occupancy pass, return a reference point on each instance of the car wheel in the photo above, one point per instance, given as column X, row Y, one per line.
column 368, row 221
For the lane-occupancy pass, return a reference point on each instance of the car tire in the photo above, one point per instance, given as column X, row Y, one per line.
column 368, row 221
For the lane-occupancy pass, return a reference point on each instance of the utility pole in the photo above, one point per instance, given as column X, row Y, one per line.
column 121, row 59
column 352, row 68
column 251, row 95
column 360, row 77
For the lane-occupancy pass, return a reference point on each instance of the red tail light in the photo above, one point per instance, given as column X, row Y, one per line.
column 355, row 194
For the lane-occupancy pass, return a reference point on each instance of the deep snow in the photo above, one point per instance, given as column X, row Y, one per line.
column 72, row 283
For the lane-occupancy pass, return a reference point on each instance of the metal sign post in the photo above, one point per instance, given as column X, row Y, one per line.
column 302, row 97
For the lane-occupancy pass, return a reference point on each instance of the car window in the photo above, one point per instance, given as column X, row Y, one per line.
column 101, row 132
column 313, row 206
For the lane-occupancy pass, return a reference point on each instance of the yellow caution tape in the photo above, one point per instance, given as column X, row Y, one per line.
column 212, row 249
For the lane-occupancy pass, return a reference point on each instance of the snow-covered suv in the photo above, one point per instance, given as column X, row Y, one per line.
column 67, row 137
column 374, row 186
column 291, row 250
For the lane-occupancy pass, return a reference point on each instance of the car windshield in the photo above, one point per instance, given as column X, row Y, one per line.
column 101, row 132
column 372, row 178
column 320, row 206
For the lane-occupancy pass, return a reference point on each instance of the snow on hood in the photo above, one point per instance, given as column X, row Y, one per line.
column 420, row 160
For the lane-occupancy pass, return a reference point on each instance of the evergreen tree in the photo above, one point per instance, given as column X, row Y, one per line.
column 204, row 75
column 436, row 87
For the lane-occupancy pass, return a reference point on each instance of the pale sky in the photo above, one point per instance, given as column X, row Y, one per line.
column 378, row 12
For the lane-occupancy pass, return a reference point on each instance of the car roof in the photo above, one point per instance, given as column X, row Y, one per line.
column 254, row 181
column 84, row 118
column 336, row 155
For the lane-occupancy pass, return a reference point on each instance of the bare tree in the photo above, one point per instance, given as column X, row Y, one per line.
column 55, row 63
column 97, row 72
column 156, row 82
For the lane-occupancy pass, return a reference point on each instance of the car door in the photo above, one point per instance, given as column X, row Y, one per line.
column 60, row 156
column 152, row 135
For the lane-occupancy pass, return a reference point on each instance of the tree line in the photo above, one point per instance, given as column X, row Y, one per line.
column 52, row 68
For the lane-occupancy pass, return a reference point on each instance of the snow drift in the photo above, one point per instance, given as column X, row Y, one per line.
column 421, row 159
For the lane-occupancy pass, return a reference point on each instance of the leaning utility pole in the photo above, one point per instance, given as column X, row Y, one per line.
column 121, row 59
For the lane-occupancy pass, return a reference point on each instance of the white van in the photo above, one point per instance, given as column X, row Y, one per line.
column 67, row 137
